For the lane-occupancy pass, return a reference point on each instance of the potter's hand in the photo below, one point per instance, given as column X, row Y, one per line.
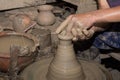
column 79, row 25
column 83, row 21
column 87, row 20
column 87, row 34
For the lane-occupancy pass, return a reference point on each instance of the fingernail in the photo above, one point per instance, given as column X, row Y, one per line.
column 75, row 39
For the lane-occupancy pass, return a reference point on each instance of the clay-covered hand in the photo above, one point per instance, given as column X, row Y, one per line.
column 82, row 34
column 87, row 34
column 87, row 20
column 98, row 27
column 79, row 25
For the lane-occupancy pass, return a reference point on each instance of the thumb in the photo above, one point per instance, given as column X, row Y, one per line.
column 63, row 25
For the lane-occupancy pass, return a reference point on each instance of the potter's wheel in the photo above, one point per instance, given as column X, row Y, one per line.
column 65, row 66
column 39, row 69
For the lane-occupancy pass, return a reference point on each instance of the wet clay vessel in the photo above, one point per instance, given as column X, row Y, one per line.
column 45, row 16
column 26, row 43
column 65, row 66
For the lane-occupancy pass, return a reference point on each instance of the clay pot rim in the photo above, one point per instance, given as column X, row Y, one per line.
column 45, row 7
column 31, row 37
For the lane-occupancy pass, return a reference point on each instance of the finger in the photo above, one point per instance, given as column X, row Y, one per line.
column 83, row 37
column 79, row 24
column 80, row 35
column 74, row 32
column 63, row 25
column 91, row 32
column 70, row 26
column 79, row 32
column 75, row 38
column 86, row 33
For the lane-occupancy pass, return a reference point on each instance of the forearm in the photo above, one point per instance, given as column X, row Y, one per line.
column 106, row 15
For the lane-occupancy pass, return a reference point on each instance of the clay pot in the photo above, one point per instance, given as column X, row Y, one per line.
column 26, row 43
column 65, row 65
column 45, row 16
column 22, row 22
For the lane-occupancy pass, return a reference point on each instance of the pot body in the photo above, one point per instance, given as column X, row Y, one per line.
column 26, row 55
column 21, row 22
column 65, row 65
column 45, row 16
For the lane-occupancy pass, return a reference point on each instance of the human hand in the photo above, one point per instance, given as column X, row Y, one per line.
column 82, row 34
column 98, row 27
column 79, row 25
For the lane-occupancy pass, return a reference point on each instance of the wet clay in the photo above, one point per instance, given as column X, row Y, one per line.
column 39, row 69
column 65, row 66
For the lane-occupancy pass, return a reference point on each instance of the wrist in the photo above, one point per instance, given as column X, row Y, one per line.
column 94, row 18
column 97, row 16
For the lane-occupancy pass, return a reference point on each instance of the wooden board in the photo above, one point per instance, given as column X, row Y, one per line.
column 10, row 4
